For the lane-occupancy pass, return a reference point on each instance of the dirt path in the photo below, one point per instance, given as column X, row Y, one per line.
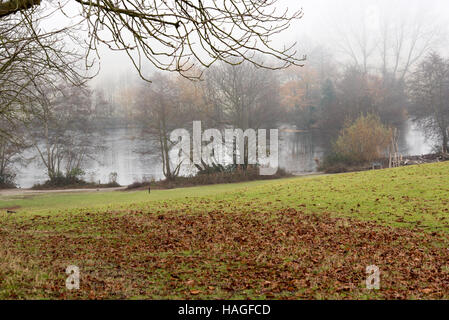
column 20, row 192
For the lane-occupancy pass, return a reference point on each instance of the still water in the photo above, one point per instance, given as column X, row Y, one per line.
column 120, row 154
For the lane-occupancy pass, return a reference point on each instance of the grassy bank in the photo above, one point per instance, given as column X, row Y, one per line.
column 55, row 203
column 308, row 237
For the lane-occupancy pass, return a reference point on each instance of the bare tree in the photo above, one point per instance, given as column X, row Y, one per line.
column 429, row 90
column 174, row 35
column 11, row 153
column 159, row 112
column 245, row 97
column 248, row 96
column 387, row 39
column 354, row 38
column 405, row 39
column 60, row 130
column 28, row 57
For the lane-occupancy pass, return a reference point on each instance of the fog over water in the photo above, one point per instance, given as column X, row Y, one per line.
column 297, row 155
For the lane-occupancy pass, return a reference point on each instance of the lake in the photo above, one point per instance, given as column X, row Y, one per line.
column 120, row 154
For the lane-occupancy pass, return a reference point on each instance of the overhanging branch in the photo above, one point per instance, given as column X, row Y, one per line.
column 13, row 6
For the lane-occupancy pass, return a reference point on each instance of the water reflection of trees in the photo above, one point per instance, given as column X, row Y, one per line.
column 299, row 151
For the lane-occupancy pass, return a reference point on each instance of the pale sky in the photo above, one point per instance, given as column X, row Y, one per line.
column 325, row 22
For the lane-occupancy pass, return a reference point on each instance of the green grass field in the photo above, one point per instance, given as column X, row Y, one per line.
column 297, row 238
column 55, row 202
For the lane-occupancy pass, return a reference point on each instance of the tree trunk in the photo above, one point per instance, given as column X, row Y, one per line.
column 445, row 148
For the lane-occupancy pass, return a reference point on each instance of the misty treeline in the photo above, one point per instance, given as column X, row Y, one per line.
column 358, row 113
column 358, row 105
column 352, row 109
column 47, row 57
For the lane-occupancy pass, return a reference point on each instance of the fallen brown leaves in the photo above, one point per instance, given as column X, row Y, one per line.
column 214, row 254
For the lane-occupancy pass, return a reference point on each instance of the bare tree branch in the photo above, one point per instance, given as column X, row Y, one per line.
column 14, row 6
column 178, row 35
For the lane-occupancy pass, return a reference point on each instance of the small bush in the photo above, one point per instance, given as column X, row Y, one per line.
column 61, row 182
column 75, row 174
column 72, row 180
column 360, row 142
column 364, row 140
